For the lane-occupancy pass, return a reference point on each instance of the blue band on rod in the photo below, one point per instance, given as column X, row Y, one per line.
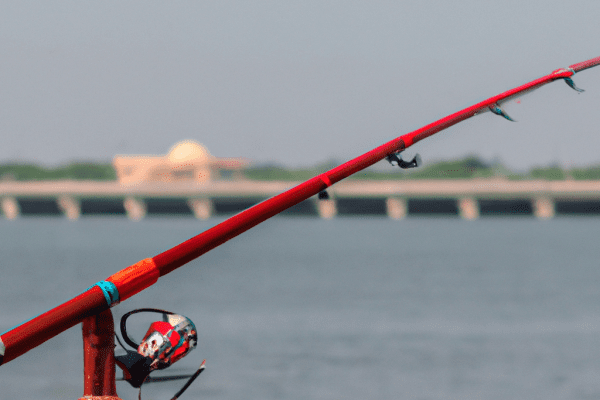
column 111, row 294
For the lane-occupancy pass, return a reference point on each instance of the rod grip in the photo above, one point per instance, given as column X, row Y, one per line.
column 36, row 331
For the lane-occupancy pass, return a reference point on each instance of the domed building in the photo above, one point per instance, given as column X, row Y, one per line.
column 187, row 161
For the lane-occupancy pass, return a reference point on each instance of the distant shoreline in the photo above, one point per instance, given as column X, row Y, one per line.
column 465, row 168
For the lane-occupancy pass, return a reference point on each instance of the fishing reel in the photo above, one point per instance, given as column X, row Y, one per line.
column 165, row 343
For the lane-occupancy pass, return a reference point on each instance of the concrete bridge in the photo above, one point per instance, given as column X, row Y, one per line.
column 468, row 199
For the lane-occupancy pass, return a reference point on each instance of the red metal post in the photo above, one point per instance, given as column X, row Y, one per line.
column 99, row 357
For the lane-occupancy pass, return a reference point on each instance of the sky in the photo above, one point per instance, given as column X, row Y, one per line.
column 294, row 83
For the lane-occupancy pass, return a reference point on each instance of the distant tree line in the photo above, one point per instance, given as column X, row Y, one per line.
column 467, row 168
column 75, row 171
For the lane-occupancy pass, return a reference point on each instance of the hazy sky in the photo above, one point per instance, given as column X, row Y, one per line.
column 294, row 82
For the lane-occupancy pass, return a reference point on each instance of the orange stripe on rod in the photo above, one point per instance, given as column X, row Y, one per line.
column 135, row 278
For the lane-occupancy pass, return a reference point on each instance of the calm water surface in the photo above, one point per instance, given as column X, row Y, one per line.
column 354, row 308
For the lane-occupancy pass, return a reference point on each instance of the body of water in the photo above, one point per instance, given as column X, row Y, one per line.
column 353, row 308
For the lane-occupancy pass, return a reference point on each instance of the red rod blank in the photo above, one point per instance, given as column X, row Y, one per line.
column 145, row 273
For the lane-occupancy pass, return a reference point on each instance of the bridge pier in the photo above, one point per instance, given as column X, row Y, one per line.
column 327, row 209
column 468, row 208
column 10, row 208
column 202, row 208
column 70, row 207
column 396, row 207
column 543, row 208
column 135, row 208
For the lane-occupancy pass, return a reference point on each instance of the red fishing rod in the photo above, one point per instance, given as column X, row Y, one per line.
column 129, row 281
